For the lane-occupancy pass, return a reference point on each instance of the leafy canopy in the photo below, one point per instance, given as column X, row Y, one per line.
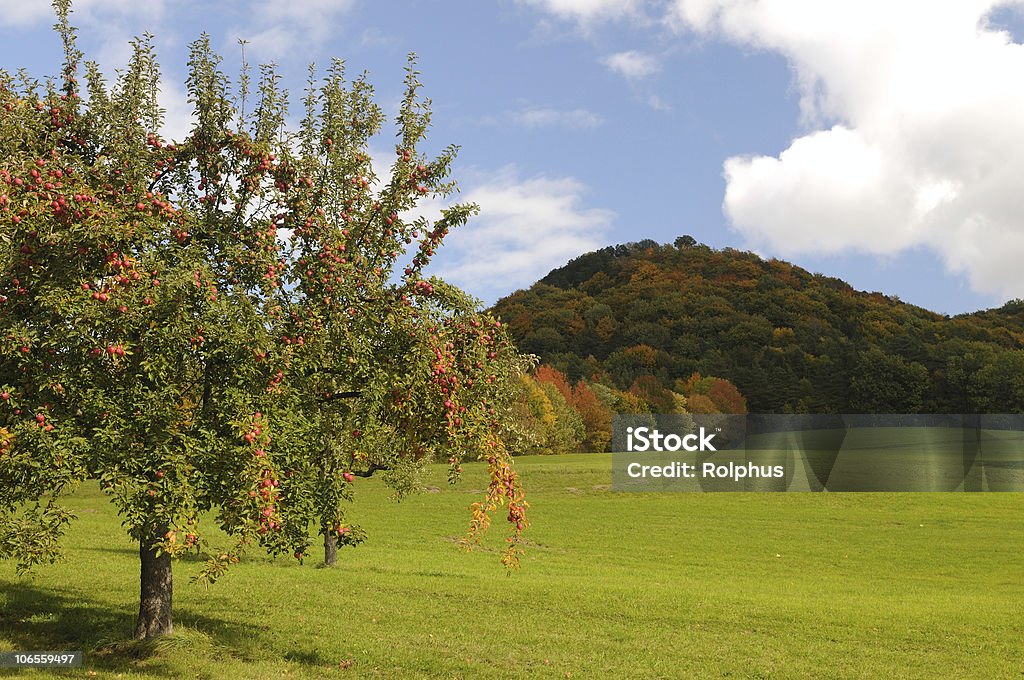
column 235, row 324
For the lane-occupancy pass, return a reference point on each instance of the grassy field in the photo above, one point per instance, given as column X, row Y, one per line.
column 616, row 585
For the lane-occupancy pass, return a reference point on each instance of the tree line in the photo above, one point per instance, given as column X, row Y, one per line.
column 550, row 415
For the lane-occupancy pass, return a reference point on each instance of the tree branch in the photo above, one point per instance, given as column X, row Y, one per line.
column 370, row 470
column 352, row 394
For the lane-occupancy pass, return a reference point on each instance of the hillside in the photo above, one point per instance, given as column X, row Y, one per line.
column 789, row 339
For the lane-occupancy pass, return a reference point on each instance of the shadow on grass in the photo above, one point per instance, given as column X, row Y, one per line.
column 35, row 619
column 133, row 553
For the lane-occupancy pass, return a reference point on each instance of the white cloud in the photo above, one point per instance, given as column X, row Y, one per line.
column 374, row 38
column 657, row 103
column 915, row 109
column 632, row 65
column 808, row 198
column 526, row 228
column 29, row 12
column 178, row 114
column 21, row 13
column 546, row 117
column 277, row 28
column 113, row 23
column 589, row 11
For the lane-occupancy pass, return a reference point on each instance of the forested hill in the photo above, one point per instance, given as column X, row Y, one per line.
column 789, row 339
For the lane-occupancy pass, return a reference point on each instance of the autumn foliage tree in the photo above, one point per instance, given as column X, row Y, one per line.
column 227, row 330
column 713, row 395
column 596, row 415
column 541, row 420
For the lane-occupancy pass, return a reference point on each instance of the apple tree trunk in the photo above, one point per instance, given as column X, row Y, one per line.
column 155, row 596
column 330, row 547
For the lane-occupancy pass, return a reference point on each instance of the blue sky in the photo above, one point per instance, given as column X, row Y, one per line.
column 874, row 141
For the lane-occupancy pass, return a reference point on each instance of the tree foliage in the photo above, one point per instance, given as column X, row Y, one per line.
column 233, row 325
column 789, row 340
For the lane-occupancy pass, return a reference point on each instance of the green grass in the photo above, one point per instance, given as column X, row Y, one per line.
column 616, row 585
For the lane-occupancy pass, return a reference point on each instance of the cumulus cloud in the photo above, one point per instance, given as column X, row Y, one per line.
column 526, row 227
column 911, row 109
column 914, row 111
column 632, row 65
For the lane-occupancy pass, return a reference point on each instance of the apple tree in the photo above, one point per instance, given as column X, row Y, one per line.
column 399, row 368
column 227, row 329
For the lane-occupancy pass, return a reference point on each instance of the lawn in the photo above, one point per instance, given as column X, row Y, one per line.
column 615, row 585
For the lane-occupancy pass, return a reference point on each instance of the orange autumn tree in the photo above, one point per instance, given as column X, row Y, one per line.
column 597, row 417
column 712, row 395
